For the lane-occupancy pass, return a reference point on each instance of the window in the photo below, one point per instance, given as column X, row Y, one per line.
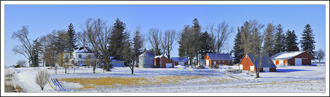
column 79, row 55
column 223, row 61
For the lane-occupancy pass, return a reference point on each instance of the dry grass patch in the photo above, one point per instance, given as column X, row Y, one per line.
column 126, row 81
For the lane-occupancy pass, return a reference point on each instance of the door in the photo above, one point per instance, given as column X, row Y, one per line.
column 168, row 65
column 181, row 63
column 207, row 62
column 265, row 69
column 298, row 61
column 281, row 63
column 251, row 68
column 241, row 67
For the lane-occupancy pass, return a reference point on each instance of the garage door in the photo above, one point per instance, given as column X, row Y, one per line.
column 281, row 63
column 298, row 61
column 251, row 68
column 168, row 65
column 181, row 63
column 265, row 69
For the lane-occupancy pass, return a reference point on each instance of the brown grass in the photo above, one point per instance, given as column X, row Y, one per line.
column 92, row 82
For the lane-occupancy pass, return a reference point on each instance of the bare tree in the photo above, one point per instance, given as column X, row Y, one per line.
column 87, row 61
column 252, row 39
column 222, row 33
column 42, row 78
column 94, row 62
column 320, row 55
column 155, row 38
column 98, row 35
column 168, row 42
column 26, row 46
column 21, row 63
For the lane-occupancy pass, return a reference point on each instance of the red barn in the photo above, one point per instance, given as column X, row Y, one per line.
column 163, row 62
column 212, row 59
column 297, row 58
column 249, row 64
column 180, row 61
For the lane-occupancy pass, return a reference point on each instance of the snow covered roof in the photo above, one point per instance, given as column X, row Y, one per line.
column 180, row 59
column 286, row 55
column 266, row 61
column 83, row 50
column 146, row 54
column 214, row 56
column 159, row 56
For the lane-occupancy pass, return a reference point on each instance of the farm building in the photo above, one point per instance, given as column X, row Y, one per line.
column 163, row 62
column 80, row 54
column 146, row 60
column 116, row 63
column 180, row 61
column 201, row 62
column 213, row 59
column 292, row 58
column 248, row 63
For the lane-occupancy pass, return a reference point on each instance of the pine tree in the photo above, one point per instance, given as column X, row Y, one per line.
column 137, row 46
column 269, row 41
column 72, row 39
column 206, row 45
column 307, row 41
column 238, row 50
column 291, row 41
column 35, row 53
column 279, row 45
column 117, row 39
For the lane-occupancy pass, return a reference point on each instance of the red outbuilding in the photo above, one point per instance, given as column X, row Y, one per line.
column 163, row 62
column 250, row 63
column 296, row 58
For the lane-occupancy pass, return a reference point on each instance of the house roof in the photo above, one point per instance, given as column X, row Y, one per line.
column 159, row 56
column 180, row 59
column 266, row 61
column 286, row 55
column 214, row 56
column 82, row 50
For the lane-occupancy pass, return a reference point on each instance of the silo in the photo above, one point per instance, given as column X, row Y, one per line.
column 146, row 60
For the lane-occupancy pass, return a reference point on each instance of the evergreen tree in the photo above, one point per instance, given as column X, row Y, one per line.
column 117, row 39
column 291, row 41
column 137, row 46
column 307, row 41
column 206, row 45
column 269, row 41
column 35, row 53
column 279, row 45
column 71, row 39
column 238, row 50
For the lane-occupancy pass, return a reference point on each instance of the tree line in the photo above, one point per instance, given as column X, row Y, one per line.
column 114, row 40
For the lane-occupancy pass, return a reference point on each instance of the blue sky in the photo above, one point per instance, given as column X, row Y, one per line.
column 42, row 19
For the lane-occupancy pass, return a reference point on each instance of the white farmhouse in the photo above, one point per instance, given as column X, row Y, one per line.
column 80, row 54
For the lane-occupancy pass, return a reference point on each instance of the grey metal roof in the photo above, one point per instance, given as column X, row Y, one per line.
column 147, row 54
column 214, row 56
column 266, row 61
column 180, row 59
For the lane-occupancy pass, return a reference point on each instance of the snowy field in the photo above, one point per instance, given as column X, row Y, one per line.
column 289, row 79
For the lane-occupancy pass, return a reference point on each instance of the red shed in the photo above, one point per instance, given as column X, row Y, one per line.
column 249, row 64
column 212, row 59
column 297, row 58
column 163, row 62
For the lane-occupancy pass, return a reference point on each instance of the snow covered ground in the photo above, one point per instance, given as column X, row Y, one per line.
column 289, row 79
